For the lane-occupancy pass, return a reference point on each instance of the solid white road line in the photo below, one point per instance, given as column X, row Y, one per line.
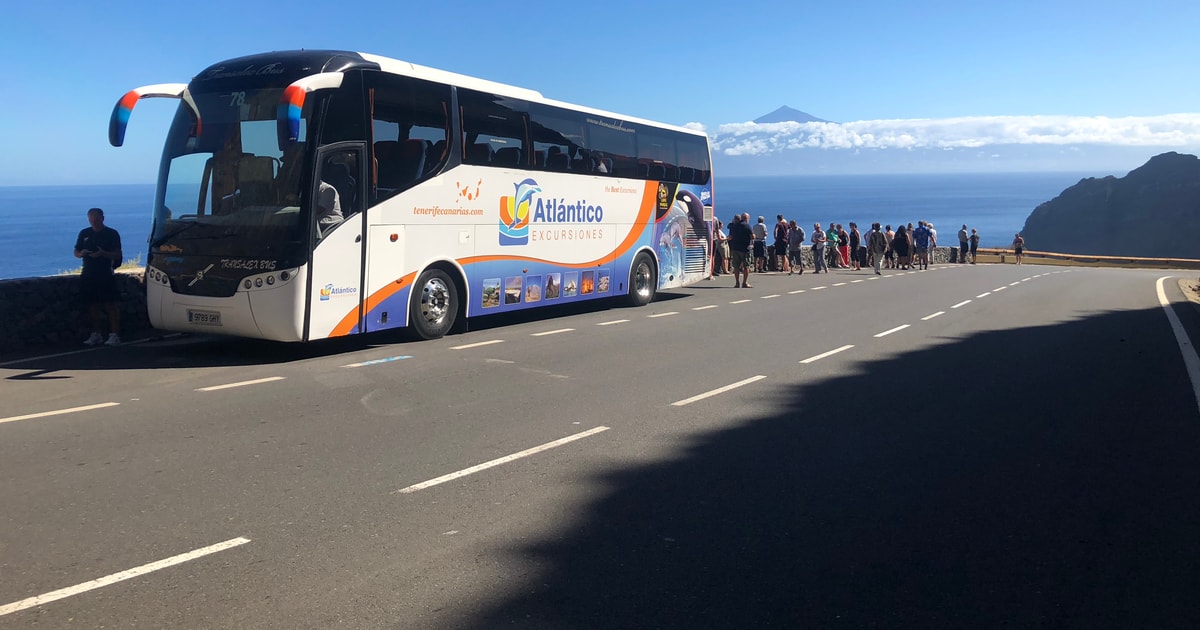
column 477, row 345
column 615, row 321
column 929, row 317
column 719, row 390
column 58, row 412
column 241, row 384
column 377, row 361
column 826, row 354
column 552, row 332
column 704, row 308
column 983, row 295
column 888, row 332
column 962, row 303
column 119, row 577
column 1190, row 360
column 663, row 314
column 496, row 462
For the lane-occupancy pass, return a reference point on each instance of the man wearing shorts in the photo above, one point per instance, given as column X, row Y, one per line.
column 99, row 247
column 740, row 238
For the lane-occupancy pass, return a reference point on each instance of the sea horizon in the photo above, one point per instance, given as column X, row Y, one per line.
column 43, row 221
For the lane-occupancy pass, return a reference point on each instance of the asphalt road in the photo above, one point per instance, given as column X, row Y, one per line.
column 971, row 446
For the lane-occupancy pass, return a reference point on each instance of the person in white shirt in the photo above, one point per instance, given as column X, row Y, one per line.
column 329, row 208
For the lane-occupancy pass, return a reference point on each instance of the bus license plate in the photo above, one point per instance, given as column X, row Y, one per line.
column 204, row 318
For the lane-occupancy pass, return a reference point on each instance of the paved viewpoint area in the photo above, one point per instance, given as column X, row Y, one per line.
column 964, row 447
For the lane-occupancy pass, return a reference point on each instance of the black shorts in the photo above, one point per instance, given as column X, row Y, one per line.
column 760, row 249
column 98, row 289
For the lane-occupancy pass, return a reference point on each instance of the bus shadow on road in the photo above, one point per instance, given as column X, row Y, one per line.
column 200, row 351
column 1008, row 478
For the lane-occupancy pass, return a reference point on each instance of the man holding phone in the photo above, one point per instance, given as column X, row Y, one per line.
column 99, row 247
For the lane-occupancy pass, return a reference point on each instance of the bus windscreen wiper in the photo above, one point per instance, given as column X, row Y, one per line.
column 169, row 235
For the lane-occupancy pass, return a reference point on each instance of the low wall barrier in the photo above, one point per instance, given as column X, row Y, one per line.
column 48, row 311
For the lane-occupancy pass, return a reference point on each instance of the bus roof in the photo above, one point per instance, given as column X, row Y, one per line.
column 294, row 64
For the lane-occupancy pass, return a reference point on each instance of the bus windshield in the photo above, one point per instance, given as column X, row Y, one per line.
column 231, row 187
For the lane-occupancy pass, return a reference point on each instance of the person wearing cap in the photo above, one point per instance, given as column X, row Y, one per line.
column 760, row 244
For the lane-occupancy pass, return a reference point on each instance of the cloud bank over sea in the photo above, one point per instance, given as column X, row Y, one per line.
column 976, row 143
column 1171, row 130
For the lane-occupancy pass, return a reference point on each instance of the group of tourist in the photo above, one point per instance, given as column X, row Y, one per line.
column 741, row 247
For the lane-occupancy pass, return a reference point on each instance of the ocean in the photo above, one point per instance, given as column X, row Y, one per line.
column 42, row 221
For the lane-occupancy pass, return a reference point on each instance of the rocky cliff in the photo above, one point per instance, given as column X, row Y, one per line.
column 1153, row 211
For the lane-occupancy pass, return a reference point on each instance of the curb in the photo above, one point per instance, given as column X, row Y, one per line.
column 1191, row 291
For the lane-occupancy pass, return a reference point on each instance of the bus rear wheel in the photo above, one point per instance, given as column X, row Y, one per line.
column 434, row 305
column 643, row 280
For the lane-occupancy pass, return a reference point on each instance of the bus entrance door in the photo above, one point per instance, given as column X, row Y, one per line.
column 337, row 260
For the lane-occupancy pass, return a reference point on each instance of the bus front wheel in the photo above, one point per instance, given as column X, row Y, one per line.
column 434, row 305
column 643, row 280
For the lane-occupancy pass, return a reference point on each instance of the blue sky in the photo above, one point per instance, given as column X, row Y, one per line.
column 714, row 64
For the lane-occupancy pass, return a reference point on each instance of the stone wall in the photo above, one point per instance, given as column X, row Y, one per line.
column 48, row 312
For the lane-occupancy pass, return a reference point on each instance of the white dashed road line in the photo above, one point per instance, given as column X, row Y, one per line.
column 983, row 295
column 552, row 332
column 704, row 308
column 929, row 317
column 740, row 301
column 615, row 321
column 825, row 354
column 119, row 577
column 667, row 314
column 269, row 379
column 796, row 291
column 478, row 345
column 719, row 390
column 888, row 332
column 496, row 462
column 58, row 412
column 773, row 295
column 817, row 288
column 962, row 303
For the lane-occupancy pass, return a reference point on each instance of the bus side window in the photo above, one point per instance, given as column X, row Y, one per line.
column 409, row 132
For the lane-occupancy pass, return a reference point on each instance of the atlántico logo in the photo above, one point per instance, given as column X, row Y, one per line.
column 514, row 213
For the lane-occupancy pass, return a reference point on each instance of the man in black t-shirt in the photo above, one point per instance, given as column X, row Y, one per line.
column 99, row 247
column 740, row 237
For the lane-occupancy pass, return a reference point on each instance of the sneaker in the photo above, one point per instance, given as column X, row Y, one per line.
column 93, row 340
column 113, row 340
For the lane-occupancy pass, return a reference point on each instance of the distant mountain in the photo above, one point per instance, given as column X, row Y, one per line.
column 1153, row 211
column 787, row 114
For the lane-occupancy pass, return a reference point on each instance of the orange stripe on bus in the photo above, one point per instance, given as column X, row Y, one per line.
column 350, row 321
column 649, row 200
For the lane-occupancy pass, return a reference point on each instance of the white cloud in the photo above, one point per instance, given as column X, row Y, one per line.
column 1172, row 130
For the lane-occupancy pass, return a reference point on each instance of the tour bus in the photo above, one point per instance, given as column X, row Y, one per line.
column 313, row 194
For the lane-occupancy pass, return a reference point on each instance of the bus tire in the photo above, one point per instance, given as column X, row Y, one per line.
column 434, row 305
column 643, row 280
